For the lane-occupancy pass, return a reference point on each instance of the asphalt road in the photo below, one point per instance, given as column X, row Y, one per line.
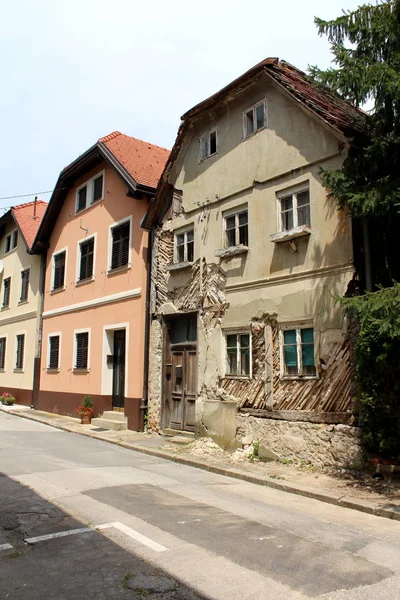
column 80, row 518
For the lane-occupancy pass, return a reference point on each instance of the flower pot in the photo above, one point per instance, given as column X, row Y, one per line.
column 86, row 418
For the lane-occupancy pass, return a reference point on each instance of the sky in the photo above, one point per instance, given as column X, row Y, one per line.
column 76, row 70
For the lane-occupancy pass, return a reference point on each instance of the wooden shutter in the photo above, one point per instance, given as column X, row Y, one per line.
column 59, row 270
column 97, row 188
column 120, row 246
column 19, row 364
column 2, row 353
column 86, row 266
column 54, row 351
column 81, row 200
column 24, row 285
column 82, row 343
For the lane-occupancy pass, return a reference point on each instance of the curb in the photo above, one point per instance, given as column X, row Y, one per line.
column 365, row 506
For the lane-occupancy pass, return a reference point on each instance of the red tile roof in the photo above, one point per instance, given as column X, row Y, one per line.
column 28, row 219
column 144, row 162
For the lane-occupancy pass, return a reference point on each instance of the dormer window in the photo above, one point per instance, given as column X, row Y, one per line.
column 208, row 144
column 90, row 192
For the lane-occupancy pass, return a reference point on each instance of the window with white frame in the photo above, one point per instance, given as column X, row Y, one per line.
column 254, row 119
column 238, row 353
column 236, row 229
column 86, row 258
column 184, row 246
column 54, row 352
column 81, row 350
column 3, row 343
column 120, row 245
column 19, row 355
column 24, row 285
column 6, row 292
column 297, row 352
column 59, row 260
column 90, row 192
column 208, row 144
column 11, row 241
column 294, row 209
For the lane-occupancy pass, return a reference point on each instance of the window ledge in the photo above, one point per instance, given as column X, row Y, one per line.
column 79, row 212
column 18, row 370
column 179, row 266
column 119, row 269
column 79, row 370
column 231, row 251
column 57, row 290
column 290, row 234
column 245, row 377
column 83, row 281
column 250, row 135
column 23, row 302
column 202, row 160
column 53, row 370
column 5, row 308
column 297, row 377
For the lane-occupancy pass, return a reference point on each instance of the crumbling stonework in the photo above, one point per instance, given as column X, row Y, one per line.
column 155, row 370
column 317, row 444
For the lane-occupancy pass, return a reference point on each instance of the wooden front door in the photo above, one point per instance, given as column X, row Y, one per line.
column 118, row 395
column 180, row 373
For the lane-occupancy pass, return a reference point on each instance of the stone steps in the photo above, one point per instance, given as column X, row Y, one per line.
column 111, row 419
column 168, row 432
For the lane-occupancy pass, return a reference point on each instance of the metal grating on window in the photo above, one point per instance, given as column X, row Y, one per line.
column 19, row 363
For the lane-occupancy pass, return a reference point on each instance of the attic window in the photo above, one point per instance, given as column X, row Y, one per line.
column 11, row 241
column 254, row 119
column 90, row 192
column 208, row 144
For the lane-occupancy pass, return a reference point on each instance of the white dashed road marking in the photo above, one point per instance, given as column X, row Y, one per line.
column 58, row 534
column 5, row 547
column 134, row 535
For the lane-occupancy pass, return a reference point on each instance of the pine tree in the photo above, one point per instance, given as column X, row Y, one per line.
column 366, row 53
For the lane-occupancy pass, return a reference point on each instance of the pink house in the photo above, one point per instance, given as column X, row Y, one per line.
column 94, row 309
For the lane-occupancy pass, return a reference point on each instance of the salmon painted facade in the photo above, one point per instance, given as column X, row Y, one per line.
column 20, row 302
column 94, row 311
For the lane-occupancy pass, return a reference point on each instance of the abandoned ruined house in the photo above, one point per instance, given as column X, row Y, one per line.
column 249, row 253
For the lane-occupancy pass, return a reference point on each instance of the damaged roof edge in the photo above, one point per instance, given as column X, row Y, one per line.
column 333, row 111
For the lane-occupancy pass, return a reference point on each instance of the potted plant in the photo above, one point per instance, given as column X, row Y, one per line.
column 86, row 410
column 7, row 399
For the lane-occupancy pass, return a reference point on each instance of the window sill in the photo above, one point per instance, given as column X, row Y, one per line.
column 291, row 234
column 202, row 160
column 18, row 370
column 231, row 251
column 297, row 377
column 78, row 370
column 53, row 370
column 179, row 266
column 10, row 251
column 58, row 290
column 79, row 212
column 5, row 308
column 21, row 302
column 254, row 133
column 84, row 281
column 119, row 269
column 245, row 377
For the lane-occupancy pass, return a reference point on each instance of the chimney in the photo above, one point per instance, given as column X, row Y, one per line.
column 34, row 208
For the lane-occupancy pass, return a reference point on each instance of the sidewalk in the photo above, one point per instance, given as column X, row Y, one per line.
column 341, row 489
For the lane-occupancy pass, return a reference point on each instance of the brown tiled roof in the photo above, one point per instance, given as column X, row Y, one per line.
column 144, row 162
column 28, row 218
column 335, row 112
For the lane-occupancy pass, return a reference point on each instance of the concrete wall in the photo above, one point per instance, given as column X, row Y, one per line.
column 19, row 317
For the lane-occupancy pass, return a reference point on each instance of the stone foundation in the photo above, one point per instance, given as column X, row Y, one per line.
column 317, row 444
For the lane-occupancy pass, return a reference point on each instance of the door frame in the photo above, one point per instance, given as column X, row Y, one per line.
column 108, row 350
column 166, row 403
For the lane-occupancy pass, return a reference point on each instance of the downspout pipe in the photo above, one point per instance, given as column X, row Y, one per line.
column 145, row 397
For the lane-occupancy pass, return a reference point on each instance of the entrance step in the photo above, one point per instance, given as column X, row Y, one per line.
column 108, row 423
column 176, row 432
column 114, row 415
column 182, row 440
